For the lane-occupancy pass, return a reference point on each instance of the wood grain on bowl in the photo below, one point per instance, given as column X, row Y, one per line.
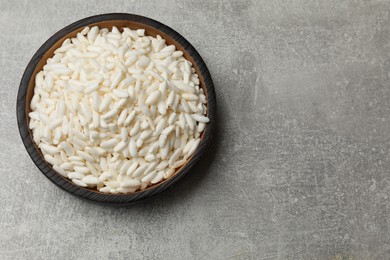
column 152, row 28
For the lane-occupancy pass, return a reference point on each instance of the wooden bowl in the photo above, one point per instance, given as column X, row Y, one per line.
column 120, row 20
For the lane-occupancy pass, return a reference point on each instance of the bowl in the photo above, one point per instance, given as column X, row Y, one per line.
column 120, row 20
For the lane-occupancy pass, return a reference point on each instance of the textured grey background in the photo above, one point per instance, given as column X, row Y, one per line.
column 300, row 169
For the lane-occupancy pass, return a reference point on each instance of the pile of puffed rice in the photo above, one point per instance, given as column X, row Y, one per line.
column 117, row 111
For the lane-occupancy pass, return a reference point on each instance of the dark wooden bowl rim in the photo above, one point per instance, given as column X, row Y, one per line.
column 120, row 20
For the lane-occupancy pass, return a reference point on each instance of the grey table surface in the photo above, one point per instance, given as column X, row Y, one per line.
column 300, row 165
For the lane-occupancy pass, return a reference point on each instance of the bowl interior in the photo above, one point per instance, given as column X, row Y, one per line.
column 150, row 31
